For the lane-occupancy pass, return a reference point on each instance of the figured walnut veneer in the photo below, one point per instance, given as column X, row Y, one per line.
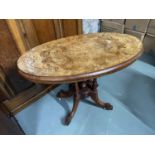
column 79, row 60
column 79, row 55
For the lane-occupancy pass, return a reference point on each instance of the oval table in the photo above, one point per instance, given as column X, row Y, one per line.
column 79, row 60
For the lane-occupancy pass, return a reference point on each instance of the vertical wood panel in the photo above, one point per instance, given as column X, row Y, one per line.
column 6, row 91
column 17, row 35
column 80, row 28
column 58, row 28
column 45, row 30
column 8, row 58
column 29, row 32
column 70, row 27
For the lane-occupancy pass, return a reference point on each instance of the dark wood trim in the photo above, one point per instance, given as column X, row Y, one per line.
column 80, row 26
column 79, row 77
column 82, row 90
column 25, row 98
column 5, row 86
column 58, row 28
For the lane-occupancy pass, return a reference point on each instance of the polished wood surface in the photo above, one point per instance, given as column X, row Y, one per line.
column 29, row 33
column 45, row 30
column 82, row 90
column 17, row 37
column 25, row 98
column 14, row 28
column 79, row 58
column 68, row 26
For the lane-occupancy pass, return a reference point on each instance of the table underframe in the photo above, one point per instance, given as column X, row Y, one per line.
column 82, row 90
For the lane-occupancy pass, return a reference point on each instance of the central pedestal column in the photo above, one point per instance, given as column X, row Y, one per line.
column 82, row 90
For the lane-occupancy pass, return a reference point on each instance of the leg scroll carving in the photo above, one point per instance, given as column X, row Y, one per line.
column 83, row 90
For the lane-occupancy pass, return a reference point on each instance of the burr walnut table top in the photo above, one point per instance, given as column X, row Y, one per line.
column 79, row 58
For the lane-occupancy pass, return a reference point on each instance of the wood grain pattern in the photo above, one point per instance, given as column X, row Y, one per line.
column 29, row 32
column 58, row 28
column 17, row 35
column 8, row 56
column 70, row 27
column 80, row 27
column 80, row 56
column 82, row 90
column 26, row 98
column 6, row 91
column 45, row 30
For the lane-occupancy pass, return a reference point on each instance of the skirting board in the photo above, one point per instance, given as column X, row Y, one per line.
column 25, row 98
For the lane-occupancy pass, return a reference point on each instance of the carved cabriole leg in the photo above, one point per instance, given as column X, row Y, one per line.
column 66, row 94
column 75, row 105
column 94, row 96
column 82, row 90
